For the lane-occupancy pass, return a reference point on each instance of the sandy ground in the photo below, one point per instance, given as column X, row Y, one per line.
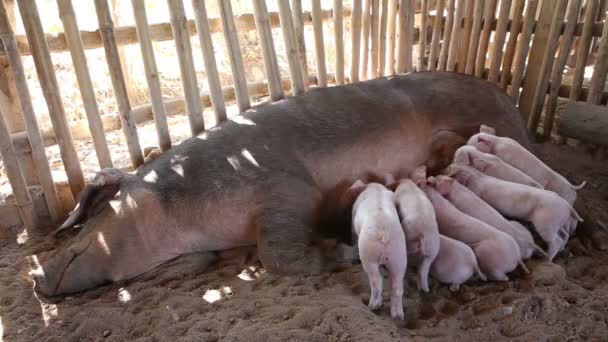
column 234, row 300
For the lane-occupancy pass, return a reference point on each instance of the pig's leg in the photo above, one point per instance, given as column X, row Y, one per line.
column 553, row 247
column 423, row 274
column 375, row 284
column 397, row 264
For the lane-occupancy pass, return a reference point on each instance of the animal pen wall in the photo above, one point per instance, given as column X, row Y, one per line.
column 537, row 50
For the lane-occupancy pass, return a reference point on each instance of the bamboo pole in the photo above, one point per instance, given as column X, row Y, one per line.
column 15, row 177
column 147, row 53
column 375, row 23
column 293, row 58
column 465, row 36
column 484, row 40
column 583, row 50
column 186, row 66
column 406, row 36
column 392, row 25
column 447, row 36
column 81, row 69
column 234, row 53
column 474, row 37
column 455, row 40
column 598, row 79
column 546, row 66
column 382, row 52
column 507, row 62
column 31, row 125
column 269, row 55
column 355, row 30
column 560, row 64
column 317, row 24
column 298, row 21
column 433, row 55
column 365, row 23
column 213, row 78
column 339, row 41
column 499, row 40
column 51, row 92
column 423, row 33
column 523, row 46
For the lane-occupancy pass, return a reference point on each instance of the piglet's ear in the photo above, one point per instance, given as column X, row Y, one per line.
column 444, row 185
column 419, row 174
column 487, row 129
column 484, row 145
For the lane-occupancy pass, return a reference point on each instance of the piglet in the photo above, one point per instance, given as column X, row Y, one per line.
column 419, row 223
column 469, row 203
column 455, row 263
column 497, row 252
column 381, row 241
column 492, row 165
column 553, row 217
column 513, row 153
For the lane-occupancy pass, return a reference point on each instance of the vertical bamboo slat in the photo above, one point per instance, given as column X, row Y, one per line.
column 293, row 58
column 269, row 55
column 598, row 79
column 213, row 78
column 560, row 64
column 375, row 23
column 179, row 27
column 433, row 55
column 406, row 36
column 507, row 62
column 455, row 40
column 474, row 37
column 298, row 21
column 317, row 25
column 382, row 53
column 447, row 36
column 583, row 50
column 392, row 39
column 499, row 40
column 147, row 53
column 52, row 95
column 365, row 23
column 488, row 19
column 234, row 53
column 31, row 125
column 423, row 33
column 339, row 40
column 83, row 77
column 523, row 46
column 465, row 35
column 355, row 31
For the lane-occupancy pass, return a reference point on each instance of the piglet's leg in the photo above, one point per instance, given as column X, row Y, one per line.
column 423, row 274
column 554, row 246
column 396, row 268
column 375, row 284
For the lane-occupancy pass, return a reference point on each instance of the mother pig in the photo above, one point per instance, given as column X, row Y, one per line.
column 272, row 177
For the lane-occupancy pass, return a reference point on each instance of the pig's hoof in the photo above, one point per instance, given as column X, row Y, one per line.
column 454, row 287
column 374, row 305
column 397, row 313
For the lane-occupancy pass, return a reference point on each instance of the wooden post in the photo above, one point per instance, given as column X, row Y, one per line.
column 507, row 62
column 488, row 20
column 455, row 40
column 447, row 36
column 52, row 95
column 339, row 41
column 365, row 23
column 433, row 55
column 8, row 92
column 293, row 58
column 234, row 53
column 382, row 53
column 474, row 37
column 583, row 50
column 375, row 23
column 406, row 36
column 560, row 64
column 186, row 66
column 213, row 78
column 355, row 31
column 423, row 33
column 392, row 25
column 540, row 90
column 296, row 10
column 598, row 79
column 15, row 177
column 156, row 96
column 81, row 69
column 499, row 40
column 523, row 46
column 466, row 36
column 317, row 25
column 269, row 55
column 31, row 125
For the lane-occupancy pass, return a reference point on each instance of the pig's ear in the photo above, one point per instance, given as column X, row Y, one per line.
column 484, row 145
column 444, row 185
column 103, row 187
column 487, row 129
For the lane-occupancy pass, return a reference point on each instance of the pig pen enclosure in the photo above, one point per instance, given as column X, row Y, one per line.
column 86, row 85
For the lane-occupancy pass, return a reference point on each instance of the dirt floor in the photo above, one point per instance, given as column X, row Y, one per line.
column 234, row 300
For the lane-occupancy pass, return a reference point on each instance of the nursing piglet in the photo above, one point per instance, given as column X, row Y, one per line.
column 455, row 263
column 381, row 241
column 419, row 223
column 469, row 203
column 553, row 217
column 497, row 252
column 513, row 153
column 492, row 165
